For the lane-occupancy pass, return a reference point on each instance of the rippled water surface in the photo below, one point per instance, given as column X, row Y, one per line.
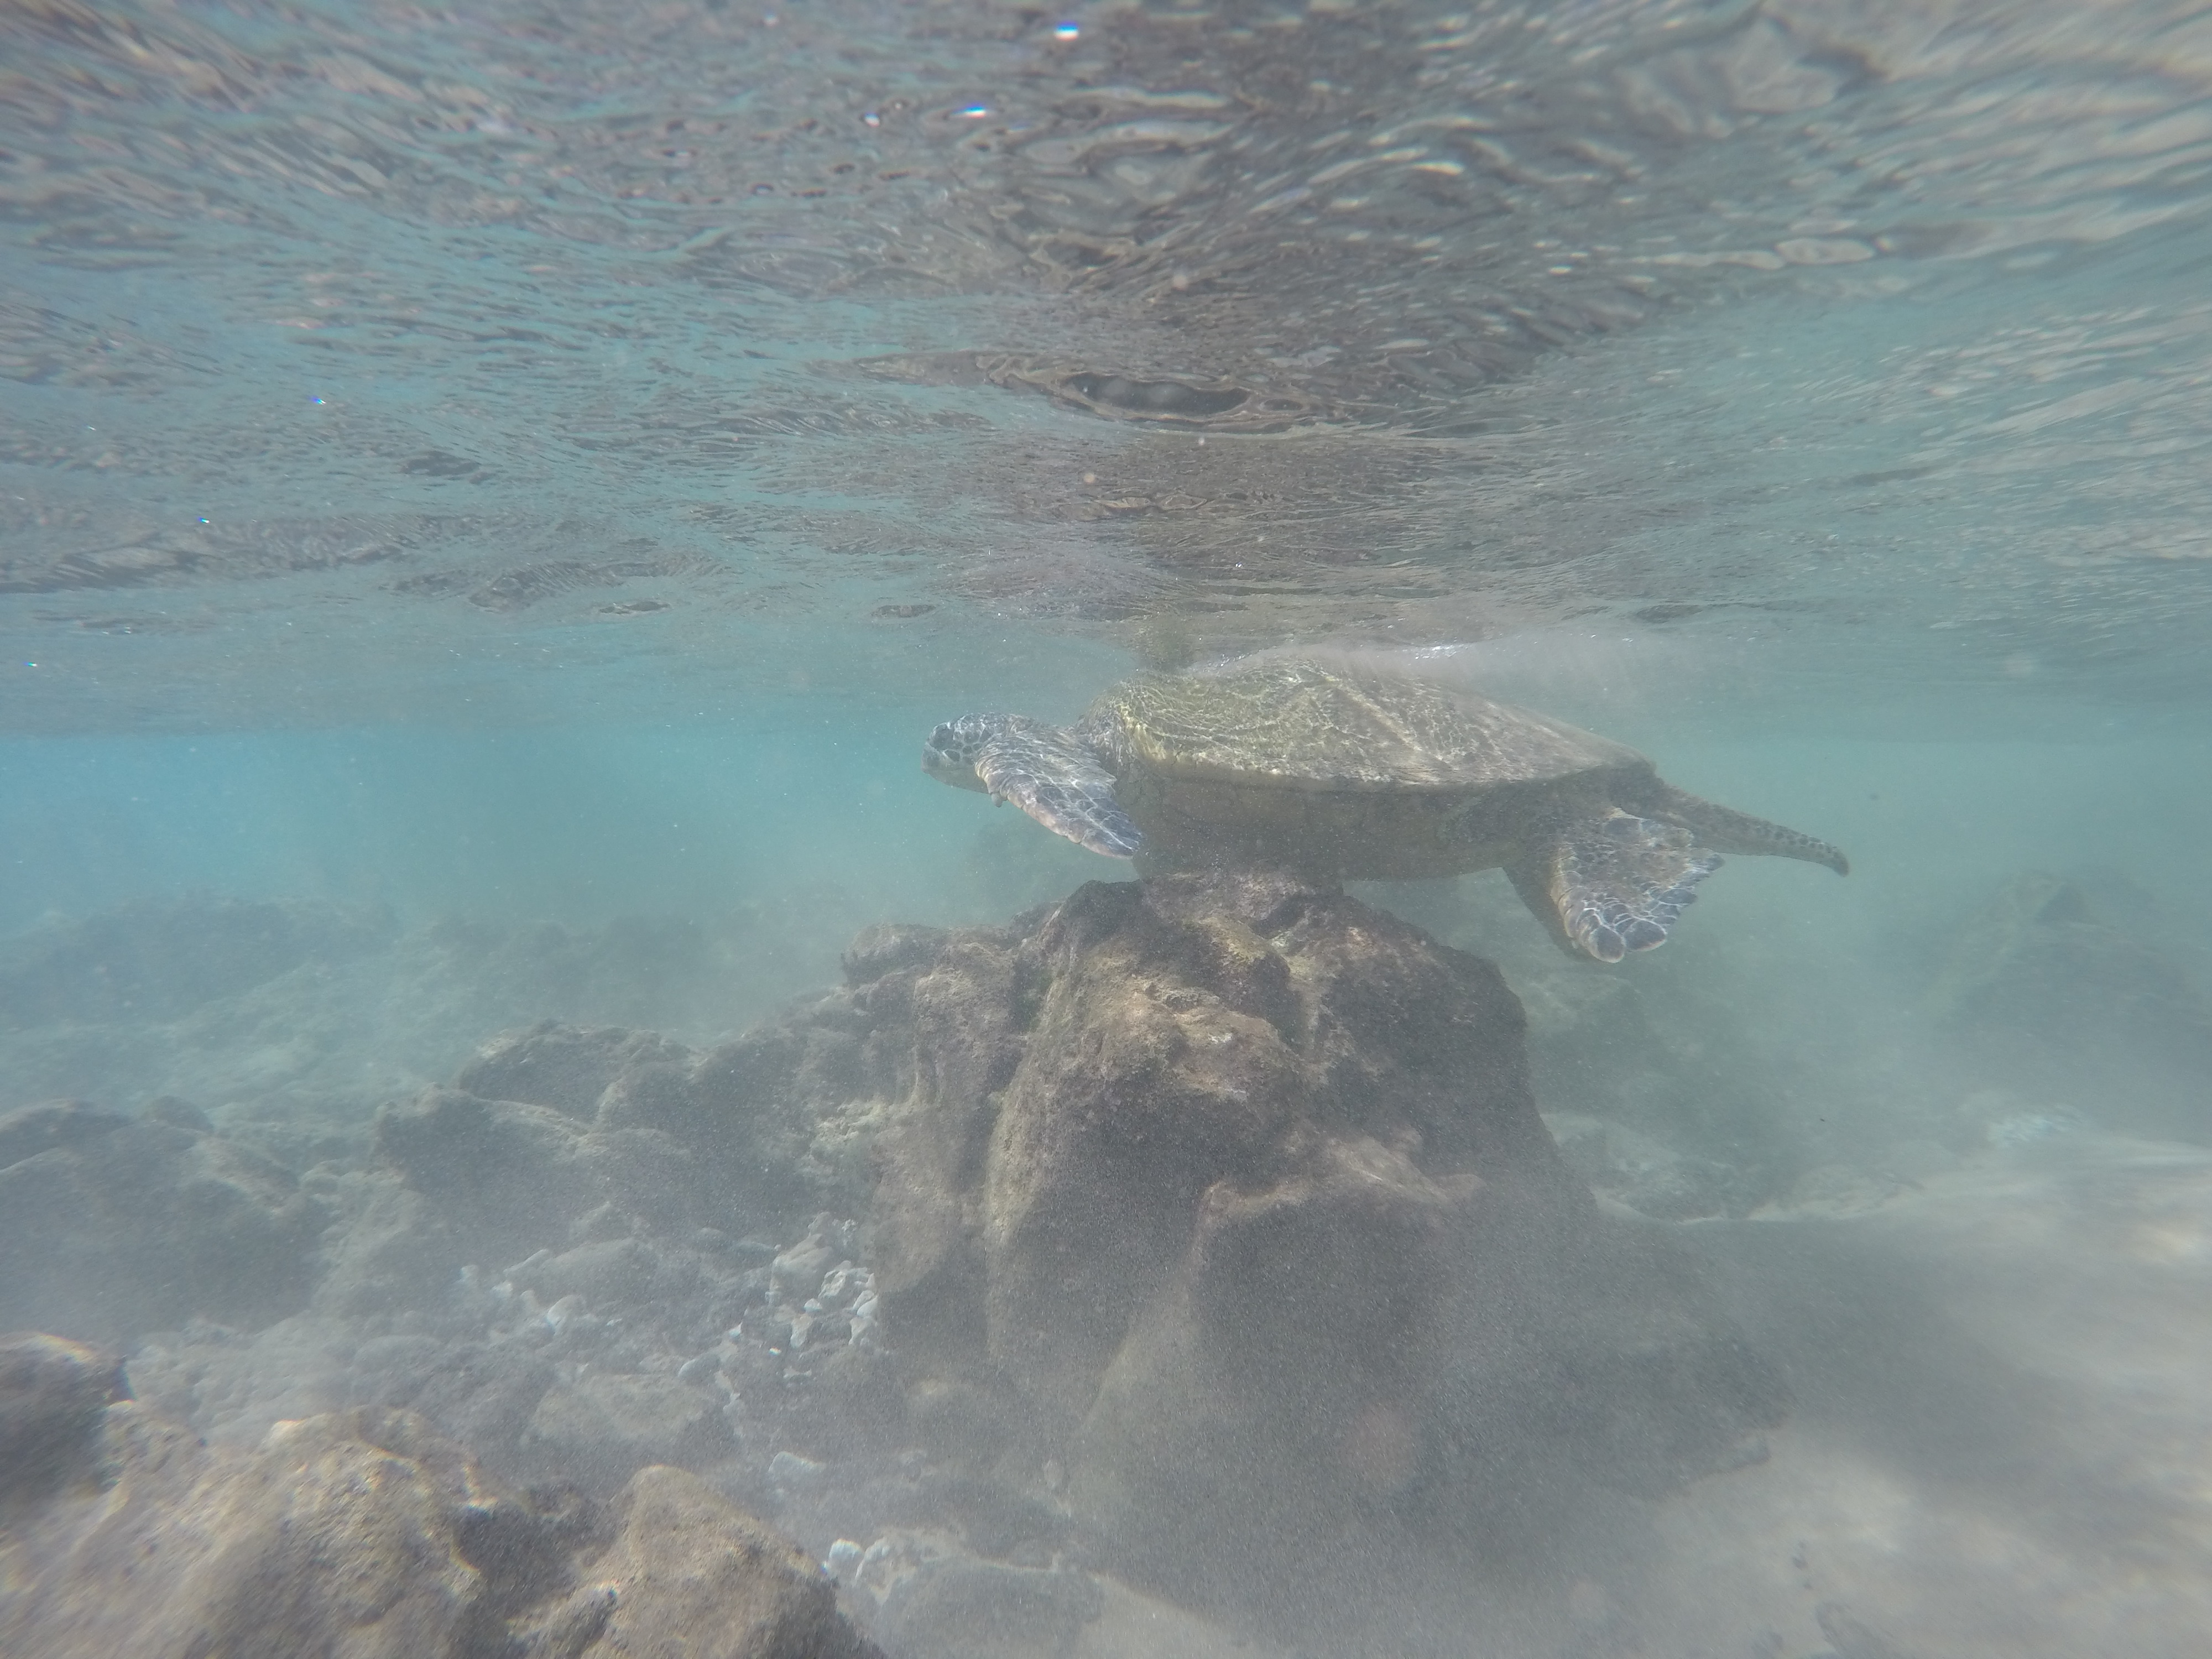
column 374, row 358
column 525, row 463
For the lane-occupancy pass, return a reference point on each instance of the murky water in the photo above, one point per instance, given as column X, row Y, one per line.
column 492, row 497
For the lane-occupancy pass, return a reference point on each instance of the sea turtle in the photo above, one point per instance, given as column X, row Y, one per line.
column 1343, row 771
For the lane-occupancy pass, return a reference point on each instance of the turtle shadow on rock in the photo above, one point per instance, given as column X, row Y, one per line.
column 1218, row 1209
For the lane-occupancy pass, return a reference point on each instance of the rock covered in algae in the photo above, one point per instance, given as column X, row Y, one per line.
column 1231, row 1196
column 366, row 1534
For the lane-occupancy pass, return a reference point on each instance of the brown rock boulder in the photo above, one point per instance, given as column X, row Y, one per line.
column 690, row 1573
column 363, row 1536
column 349, row 1534
column 1228, row 1196
column 1210, row 1064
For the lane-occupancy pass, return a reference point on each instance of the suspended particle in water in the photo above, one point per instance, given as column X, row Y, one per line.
column 1067, row 31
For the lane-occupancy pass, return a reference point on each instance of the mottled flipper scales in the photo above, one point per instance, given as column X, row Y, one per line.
column 1059, row 782
column 1616, row 884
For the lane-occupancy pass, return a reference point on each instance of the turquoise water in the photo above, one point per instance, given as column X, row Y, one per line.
column 498, row 465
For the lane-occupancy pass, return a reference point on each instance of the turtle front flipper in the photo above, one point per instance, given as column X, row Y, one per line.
column 1060, row 784
column 1043, row 770
column 1609, row 885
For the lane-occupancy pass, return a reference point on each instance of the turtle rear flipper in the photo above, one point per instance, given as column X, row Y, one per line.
column 1059, row 782
column 1730, row 831
column 1609, row 886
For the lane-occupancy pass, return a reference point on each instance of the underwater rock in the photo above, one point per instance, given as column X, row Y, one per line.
column 54, row 1395
column 550, row 1121
column 360, row 1534
column 581, row 1363
column 670, row 1142
column 1231, row 1196
column 2055, row 1000
column 159, row 959
column 111, row 1225
column 549, row 1064
column 1648, row 1176
column 691, row 1573
column 597, row 1429
column 509, row 1177
column 2040, row 957
column 1648, row 1079
column 364, row 1533
column 889, row 947
column 960, row 1608
column 484, row 1395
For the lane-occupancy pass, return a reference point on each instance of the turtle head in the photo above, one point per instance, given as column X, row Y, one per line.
column 951, row 754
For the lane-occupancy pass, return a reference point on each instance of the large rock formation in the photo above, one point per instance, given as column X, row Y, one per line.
column 1224, row 1198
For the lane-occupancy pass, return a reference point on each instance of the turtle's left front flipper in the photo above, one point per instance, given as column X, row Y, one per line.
column 1059, row 782
column 1609, row 885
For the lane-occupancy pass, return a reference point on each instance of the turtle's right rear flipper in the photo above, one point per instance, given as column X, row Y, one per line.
column 1607, row 886
column 1727, row 830
column 1059, row 783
